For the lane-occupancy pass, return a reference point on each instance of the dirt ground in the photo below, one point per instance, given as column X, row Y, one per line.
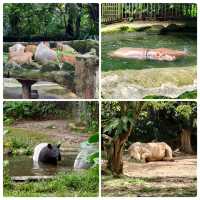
column 183, row 166
column 162, row 178
column 54, row 128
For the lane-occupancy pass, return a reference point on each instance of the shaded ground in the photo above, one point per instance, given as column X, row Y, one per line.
column 161, row 178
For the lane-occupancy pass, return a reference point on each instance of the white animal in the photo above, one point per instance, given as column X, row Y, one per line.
column 17, row 48
column 44, row 54
column 153, row 151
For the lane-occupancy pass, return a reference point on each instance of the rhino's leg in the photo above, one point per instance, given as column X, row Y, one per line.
column 168, row 159
column 135, row 156
column 145, row 157
column 168, row 154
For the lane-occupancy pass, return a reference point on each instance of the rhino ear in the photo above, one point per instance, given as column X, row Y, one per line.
column 49, row 146
column 58, row 146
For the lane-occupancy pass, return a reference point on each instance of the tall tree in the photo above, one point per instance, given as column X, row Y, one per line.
column 117, row 129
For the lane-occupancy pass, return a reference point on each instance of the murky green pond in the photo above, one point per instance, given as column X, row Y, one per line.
column 24, row 166
column 179, row 41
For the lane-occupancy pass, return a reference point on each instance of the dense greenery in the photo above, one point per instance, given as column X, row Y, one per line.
column 28, row 110
column 155, row 121
column 164, row 121
column 28, row 22
column 87, row 111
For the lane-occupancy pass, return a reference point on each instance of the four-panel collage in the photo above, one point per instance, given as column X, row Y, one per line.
column 99, row 99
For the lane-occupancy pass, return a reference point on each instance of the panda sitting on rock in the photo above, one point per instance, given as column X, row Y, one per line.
column 47, row 153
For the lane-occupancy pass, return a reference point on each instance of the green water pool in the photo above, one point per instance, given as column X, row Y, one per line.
column 178, row 41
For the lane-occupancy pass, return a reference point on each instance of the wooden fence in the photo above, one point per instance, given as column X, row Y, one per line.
column 113, row 12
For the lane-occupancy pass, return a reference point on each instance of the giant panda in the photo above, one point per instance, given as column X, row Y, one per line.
column 47, row 153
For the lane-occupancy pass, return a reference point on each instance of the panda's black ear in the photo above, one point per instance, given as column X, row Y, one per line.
column 58, row 146
column 49, row 146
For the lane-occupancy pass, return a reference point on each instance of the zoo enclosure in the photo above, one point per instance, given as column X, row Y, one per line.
column 113, row 12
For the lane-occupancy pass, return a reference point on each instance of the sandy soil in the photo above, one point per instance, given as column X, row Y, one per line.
column 183, row 166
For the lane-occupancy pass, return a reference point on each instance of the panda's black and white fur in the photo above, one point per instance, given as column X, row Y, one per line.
column 47, row 153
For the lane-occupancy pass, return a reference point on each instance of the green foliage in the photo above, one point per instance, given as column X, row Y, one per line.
column 161, row 121
column 185, row 95
column 8, row 121
column 155, row 97
column 54, row 21
column 118, row 125
column 85, row 183
column 90, row 114
column 93, row 158
column 94, row 138
column 33, row 110
column 119, row 117
column 188, row 95
column 186, row 115
column 6, row 178
column 164, row 120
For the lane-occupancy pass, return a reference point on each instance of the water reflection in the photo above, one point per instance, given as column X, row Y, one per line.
column 24, row 166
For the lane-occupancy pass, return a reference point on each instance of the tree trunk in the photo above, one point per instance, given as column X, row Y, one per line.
column 117, row 158
column 114, row 150
column 186, row 141
column 94, row 14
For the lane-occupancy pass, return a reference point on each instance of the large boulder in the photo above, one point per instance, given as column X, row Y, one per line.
column 172, row 28
column 155, row 29
column 81, row 161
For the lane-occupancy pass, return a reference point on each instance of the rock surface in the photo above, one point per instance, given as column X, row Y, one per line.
column 136, row 84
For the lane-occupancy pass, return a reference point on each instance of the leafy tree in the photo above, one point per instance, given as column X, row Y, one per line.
column 186, row 116
column 118, row 120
